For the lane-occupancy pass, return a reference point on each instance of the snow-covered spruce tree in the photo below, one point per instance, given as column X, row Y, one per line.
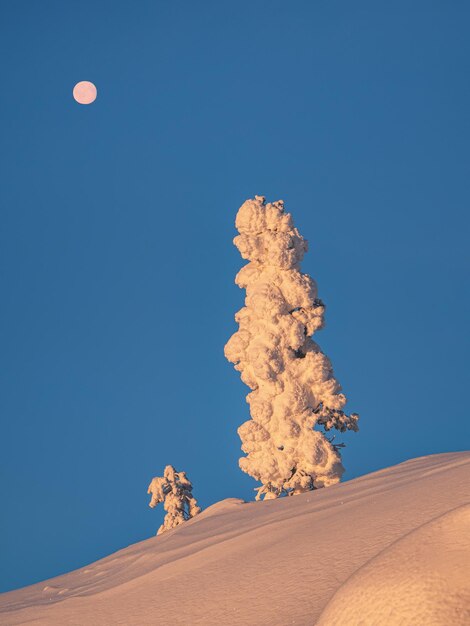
column 294, row 391
column 175, row 491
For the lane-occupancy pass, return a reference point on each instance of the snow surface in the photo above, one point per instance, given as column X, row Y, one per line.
column 391, row 547
column 424, row 576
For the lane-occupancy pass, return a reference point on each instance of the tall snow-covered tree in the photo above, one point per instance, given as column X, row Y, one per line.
column 295, row 397
column 175, row 491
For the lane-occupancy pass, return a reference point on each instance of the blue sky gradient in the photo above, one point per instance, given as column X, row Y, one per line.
column 116, row 255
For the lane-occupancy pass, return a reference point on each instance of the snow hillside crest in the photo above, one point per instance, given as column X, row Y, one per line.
column 406, row 561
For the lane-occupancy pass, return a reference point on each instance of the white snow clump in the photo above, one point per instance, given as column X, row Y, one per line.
column 175, row 491
column 292, row 381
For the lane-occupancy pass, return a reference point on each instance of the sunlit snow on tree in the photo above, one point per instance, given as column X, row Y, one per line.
column 292, row 381
column 175, row 491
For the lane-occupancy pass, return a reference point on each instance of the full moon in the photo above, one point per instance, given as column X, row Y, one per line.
column 84, row 92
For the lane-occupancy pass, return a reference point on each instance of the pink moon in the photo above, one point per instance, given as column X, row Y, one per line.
column 84, row 92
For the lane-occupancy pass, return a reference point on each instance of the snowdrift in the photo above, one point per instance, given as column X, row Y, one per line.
column 392, row 547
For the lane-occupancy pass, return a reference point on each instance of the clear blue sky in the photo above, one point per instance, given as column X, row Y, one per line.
column 117, row 263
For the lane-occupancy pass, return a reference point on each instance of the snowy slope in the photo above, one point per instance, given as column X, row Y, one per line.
column 424, row 577
column 387, row 548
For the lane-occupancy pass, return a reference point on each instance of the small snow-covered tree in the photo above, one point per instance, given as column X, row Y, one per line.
column 175, row 491
column 294, row 391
